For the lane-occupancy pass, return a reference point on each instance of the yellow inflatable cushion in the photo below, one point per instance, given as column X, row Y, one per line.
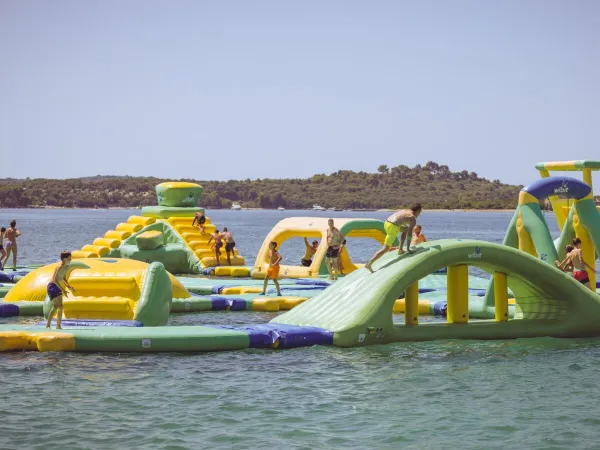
column 100, row 250
column 211, row 261
column 287, row 303
column 144, row 221
column 231, row 271
column 110, row 243
column 120, row 235
column 265, row 304
column 131, row 227
column 78, row 254
column 43, row 341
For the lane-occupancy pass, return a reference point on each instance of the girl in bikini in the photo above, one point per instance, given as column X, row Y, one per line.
column 11, row 246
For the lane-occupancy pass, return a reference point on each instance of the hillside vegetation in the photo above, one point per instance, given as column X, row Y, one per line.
column 434, row 185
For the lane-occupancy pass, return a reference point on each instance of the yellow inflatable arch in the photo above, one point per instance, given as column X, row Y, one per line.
column 315, row 228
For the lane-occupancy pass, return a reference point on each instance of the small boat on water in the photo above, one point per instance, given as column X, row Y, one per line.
column 236, row 207
column 318, row 208
column 281, row 208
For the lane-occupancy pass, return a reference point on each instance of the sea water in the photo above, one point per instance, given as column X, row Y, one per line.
column 524, row 393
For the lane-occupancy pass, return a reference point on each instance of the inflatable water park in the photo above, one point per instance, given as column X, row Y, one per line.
column 130, row 280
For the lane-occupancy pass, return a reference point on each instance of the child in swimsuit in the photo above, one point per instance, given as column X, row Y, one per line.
column 216, row 236
column 56, row 292
column 418, row 238
column 273, row 270
column 2, row 251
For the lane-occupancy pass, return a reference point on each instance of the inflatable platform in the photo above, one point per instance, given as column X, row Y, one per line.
column 165, row 234
column 527, row 295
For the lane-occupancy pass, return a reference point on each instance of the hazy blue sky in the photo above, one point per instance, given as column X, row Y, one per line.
column 253, row 89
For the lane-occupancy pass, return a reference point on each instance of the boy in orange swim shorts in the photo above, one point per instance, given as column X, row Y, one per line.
column 273, row 270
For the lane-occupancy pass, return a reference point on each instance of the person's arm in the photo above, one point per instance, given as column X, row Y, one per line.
column 411, row 225
column 209, row 239
column 17, row 233
column 565, row 263
column 306, row 243
column 67, row 283
column 279, row 258
column 194, row 221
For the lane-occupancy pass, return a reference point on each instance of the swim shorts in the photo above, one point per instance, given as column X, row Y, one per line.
column 1, row 247
column 273, row 272
column 306, row 262
column 54, row 291
column 581, row 276
column 201, row 220
column 391, row 231
column 332, row 252
column 229, row 247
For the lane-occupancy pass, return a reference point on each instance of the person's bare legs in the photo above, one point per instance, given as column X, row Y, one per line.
column 59, row 313
column 378, row 254
column 55, row 306
column 8, row 252
column 14, row 250
column 402, row 239
column 228, row 257
column 331, row 263
column 277, row 286
column 266, row 283
column 218, row 255
column 2, row 256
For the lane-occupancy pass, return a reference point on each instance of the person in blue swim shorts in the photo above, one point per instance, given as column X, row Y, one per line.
column 56, row 292
column 402, row 221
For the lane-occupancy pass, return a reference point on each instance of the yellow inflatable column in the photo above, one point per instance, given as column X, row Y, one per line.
column 458, row 294
column 501, row 296
column 411, row 312
column 525, row 241
column 587, row 248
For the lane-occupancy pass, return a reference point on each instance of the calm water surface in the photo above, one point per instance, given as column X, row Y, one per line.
column 530, row 393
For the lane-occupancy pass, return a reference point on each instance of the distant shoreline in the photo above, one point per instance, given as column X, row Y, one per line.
column 116, row 208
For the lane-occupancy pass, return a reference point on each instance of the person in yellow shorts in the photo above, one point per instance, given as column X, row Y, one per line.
column 273, row 270
column 402, row 221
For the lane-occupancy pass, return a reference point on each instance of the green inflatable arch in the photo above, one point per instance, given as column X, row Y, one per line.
column 358, row 308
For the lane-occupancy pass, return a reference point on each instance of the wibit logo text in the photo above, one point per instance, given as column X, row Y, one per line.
column 189, row 199
column 562, row 189
column 476, row 254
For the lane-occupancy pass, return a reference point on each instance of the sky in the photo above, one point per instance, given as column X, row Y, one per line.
column 278, row 89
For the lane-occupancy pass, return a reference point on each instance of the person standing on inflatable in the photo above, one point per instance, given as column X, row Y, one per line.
column 403, row 221
column 56, row 292
column 334, row 242
column 11, row 236
column 273, row 270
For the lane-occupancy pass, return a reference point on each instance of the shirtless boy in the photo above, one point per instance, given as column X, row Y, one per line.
column 403, row 221
column 334, row 242
column 11, row 246
column 273, row 270
column 229, row 243
column 580, row 267
column 216, row 236
column 311, row 249
column 56, row 292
